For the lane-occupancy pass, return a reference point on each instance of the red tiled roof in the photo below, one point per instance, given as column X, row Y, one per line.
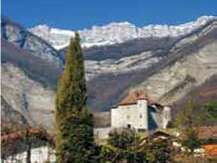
column 19, row 135
column 133, row 97
column 210, row 150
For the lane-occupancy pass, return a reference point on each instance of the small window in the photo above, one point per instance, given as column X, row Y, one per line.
column 128, row 126
column 140, row 116
column 128, row 117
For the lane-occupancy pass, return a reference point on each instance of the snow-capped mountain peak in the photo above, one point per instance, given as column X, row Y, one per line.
column 58, row 38
column 116, row 32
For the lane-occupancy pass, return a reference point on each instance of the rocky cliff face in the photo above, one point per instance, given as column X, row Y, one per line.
column 10, row 116
column 197, row 64
column 27, row 97
column 167, row 68
column 20, row 37
column 181, row 65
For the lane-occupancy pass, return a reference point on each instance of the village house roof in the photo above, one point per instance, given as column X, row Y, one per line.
column 20, row 135
column 210, row 150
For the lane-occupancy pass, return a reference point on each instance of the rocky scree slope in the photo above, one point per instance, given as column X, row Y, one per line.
column 30, row 99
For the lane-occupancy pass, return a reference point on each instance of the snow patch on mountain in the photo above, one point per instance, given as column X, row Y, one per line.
column 58, row 38
column 116, row 32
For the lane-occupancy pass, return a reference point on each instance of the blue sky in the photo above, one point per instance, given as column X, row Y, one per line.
column 79, row 14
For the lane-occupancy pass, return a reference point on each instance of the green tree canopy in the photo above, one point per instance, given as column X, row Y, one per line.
column 74, row 124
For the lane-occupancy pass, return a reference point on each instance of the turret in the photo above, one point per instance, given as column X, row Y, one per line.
column 142, row 105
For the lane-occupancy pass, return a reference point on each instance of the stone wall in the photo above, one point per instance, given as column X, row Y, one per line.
column 102, row 133
column 102, row 119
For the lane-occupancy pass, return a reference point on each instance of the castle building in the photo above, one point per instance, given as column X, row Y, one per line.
column 138, row 112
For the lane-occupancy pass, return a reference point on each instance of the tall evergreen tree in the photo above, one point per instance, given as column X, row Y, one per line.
column 74, row 125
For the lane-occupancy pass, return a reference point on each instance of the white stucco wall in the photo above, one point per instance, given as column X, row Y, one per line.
column 134, row 115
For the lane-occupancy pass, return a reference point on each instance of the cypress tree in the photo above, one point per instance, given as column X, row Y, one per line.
column 74, row 124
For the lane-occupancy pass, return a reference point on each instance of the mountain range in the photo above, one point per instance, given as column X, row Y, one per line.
column 168, row 62
column 116, row 32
